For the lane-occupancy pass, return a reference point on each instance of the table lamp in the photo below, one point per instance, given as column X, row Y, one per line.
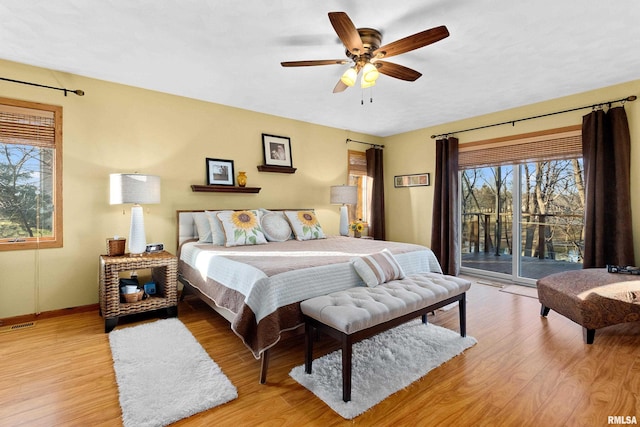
column 344, row 195
column 137, row 189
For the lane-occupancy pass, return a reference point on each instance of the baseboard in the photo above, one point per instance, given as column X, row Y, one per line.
column 47, row 314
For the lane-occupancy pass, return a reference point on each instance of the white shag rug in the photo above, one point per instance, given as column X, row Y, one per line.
column 164, row 374
column 382, row 365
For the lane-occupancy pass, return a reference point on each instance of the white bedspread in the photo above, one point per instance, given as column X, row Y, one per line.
column 275, row 275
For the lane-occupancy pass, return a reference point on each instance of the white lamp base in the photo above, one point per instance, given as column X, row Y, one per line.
column 137, row 239
column 344, row 221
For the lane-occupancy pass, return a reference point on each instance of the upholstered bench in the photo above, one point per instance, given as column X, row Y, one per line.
column 593, row 298
column 361, row 312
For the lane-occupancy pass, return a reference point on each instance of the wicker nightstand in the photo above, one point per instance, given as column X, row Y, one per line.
column 164, row 268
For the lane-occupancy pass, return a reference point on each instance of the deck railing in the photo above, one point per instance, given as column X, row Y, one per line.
column 544, row 236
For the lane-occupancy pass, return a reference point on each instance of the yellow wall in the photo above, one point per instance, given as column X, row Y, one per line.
column 408, row 210
column 116, row 128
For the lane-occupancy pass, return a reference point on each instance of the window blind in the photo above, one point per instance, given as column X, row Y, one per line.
column 357, row 163
column 552, row 144
column 26, row 126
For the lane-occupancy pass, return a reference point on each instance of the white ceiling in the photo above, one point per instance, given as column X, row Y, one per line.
column 500, row 54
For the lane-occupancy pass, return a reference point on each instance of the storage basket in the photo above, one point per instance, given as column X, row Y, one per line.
column 115, row 247
column 134, row 297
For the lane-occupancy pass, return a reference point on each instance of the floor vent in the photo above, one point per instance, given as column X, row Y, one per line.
column 17, row 327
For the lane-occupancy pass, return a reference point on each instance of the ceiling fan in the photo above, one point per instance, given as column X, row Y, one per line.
column 364, row 51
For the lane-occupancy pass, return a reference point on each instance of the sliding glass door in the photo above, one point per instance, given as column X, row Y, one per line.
column 486, row 221
column 522, row 221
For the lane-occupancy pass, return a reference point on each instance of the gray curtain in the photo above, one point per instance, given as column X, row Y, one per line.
column 444, row 228
column 374, row 170
column 606, row 148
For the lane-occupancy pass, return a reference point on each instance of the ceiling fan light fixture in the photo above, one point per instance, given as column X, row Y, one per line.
column 370, row 72
column 365, row 84
column 349, row 77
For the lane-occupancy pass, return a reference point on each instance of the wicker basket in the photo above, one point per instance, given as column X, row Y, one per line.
column 115, row 247
column 134, row 297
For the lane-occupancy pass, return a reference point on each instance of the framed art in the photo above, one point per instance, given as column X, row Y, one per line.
column 414, row 180
column 220, row 172
column 277, row 150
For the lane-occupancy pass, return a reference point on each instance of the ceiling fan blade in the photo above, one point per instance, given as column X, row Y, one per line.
column 340, row 87
column 398, row 71
column 314, row 62
column 347, row 32
column 412, row 42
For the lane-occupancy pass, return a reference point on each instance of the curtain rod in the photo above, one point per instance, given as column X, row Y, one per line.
column 513, row 122
column 366, row 143
column 77, row 92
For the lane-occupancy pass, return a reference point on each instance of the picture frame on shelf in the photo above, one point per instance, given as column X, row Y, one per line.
column 412, row 180
column 220, row 172
column 276, row 150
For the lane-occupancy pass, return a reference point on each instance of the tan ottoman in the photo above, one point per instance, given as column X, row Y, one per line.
column 593, row 298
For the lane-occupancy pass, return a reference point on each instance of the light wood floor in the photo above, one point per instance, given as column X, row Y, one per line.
column 524, row 371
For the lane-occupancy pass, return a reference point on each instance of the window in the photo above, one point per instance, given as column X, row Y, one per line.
column 522, row 204
column 30, row 175
column 357, row 170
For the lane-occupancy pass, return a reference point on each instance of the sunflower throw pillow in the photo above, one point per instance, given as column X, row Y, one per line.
column 305, row 225
column 241, row 228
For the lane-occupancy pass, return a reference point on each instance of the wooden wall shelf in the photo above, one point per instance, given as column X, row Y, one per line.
column 279, row 169
column 224, row 189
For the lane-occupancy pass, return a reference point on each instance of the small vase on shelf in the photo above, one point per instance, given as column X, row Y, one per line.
column 242, row 179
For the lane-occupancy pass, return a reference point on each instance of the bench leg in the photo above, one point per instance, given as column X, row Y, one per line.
column 308, row 343
column 346, row 367
column 462, row 308
column 588, row 335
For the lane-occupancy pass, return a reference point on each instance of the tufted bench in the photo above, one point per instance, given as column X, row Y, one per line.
column 361, row 312
column 593, row 298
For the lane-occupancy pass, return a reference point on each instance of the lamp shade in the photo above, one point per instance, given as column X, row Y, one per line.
column 365, row 84
column 344, row 195
column 134, row 188
column 349, row 77
column 370, row 73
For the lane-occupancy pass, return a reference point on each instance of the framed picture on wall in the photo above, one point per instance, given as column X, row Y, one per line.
column 414, row 180
column 220, row 172
column 277, row 150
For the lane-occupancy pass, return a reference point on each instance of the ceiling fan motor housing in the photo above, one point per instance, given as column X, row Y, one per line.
column 371, row 40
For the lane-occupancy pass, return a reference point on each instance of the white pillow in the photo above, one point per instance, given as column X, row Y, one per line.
column 217, row 233
column 241, row 228
column 203, row 227
column 377, row 268
column 305, row 225
column 275, row 227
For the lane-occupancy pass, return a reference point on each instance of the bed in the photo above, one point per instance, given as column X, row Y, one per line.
column 258, row 287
